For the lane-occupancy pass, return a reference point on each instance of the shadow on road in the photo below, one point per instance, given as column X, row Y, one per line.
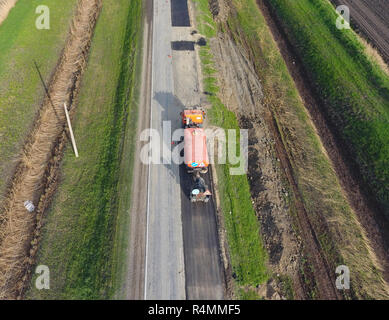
column 171, row 108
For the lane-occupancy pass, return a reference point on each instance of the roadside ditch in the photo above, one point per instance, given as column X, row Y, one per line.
column 36, row 175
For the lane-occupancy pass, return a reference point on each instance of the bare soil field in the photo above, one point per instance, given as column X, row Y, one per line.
column 36, row 174
column 5, row 7
column 371, row 19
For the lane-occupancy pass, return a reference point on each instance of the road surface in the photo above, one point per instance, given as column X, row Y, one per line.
column 164, row 266
column 174, row 246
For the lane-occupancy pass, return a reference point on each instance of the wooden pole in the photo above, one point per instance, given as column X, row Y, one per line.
column 70, row 130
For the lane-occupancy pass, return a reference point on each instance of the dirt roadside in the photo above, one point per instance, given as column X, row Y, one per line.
column 5, row 8
column 268, row 190
column 37, row 172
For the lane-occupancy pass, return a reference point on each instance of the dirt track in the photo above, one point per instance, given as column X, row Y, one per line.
column 36, row 174
column 371, row 18
column 5, row 7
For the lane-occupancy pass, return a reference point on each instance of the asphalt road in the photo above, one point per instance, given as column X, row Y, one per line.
column 165, row 271
column 203, row 269
column 174, row 246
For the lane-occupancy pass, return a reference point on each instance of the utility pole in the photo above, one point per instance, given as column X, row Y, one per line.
column 70, row 130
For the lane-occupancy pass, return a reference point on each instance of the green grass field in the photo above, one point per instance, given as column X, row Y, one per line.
column 353, row 88
column 83, row 240
column 21, row 91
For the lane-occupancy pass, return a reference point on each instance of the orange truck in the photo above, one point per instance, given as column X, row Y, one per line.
column 195, row 152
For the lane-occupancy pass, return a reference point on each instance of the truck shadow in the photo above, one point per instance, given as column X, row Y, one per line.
column 171, row 108
column 169, row 101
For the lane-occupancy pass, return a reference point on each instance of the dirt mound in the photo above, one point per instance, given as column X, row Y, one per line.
column 5, row 7
column 35, row 177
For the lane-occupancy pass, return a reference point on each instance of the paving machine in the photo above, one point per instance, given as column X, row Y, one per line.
column 200, row 191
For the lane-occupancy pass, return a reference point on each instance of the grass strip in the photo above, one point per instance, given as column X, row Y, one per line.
column 79, row 238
